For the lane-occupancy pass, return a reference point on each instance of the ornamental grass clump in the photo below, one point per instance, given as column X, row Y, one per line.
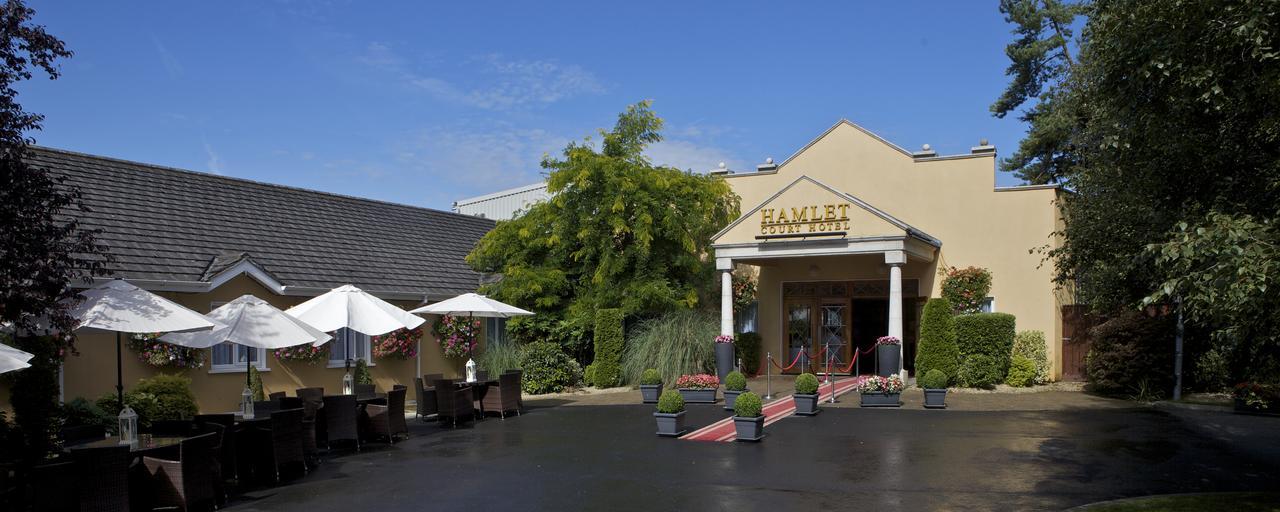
column 807, row 384
column 498, row 358
column 698, row 381
column 670, row 402
column 735, row 381
column 651, row 377
column 881, row 385
column 748, row 405
column 934, row 379
column 675, row 343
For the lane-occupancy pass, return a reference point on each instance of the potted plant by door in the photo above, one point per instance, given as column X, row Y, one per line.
column 724, row 355
column 879, row 391
column 748, row 417
column 734, row 384
column 806, row 395
column 670, row 414
column 650, row 386
column 934, row 383
column 888, row 352
column 698, row 389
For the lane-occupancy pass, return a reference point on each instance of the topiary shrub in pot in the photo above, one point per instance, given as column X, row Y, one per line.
column 748, row 417
column 670, row 414
column 650, row 386
column 934, row 383
column 734, row 384
column 698, row 389
column 806, row 395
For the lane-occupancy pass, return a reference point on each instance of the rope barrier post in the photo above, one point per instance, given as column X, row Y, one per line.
column 829, row 379
column 768, row 373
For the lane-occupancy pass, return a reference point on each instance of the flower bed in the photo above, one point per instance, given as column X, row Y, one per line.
column 1254, row 397
column 398, row 344
column 881, row 385
column 159, row 354
column 699, row 381
column 303, row 353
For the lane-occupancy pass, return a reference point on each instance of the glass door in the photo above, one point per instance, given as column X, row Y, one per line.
column 833, row 329
column 799, row 335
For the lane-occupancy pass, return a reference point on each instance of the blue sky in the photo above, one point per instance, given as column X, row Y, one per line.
column 425, row 104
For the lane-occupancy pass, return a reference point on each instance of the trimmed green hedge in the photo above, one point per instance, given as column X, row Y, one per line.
column 1031, row 345
column 807, row 384
column 1131, row 355
column 748, row 344
column 670, row 402
column 608, row 358
column 934, row 379
column 651, row 377
column 747, row 405
column 937, row 349
column 980, row 371
column 988, row 334
column 547, row 369
column 1022, row 372
column 735, row 381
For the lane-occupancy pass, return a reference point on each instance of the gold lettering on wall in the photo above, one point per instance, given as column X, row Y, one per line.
column 824, row 218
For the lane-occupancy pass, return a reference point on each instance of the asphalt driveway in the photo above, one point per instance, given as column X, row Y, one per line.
column 607, row 458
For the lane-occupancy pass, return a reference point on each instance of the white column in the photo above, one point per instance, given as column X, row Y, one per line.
column 726, row 302
column 895, row 260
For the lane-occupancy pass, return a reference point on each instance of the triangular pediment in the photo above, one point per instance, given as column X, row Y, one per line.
column 807, row 209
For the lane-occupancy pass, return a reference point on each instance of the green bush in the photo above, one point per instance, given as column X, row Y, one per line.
column 980, row 371
column 144, row 405
column 547, row 369
column 651, row 377
column 1131, row 354
column 608, row 355
column 79, row 412
column 748, row 345
column 174, row 399
column 747, row 405
column 670, row 402
column 1213, row 371
column 966, row 288
column 807, row 384
column 988, row 334
column 735, row 381
column 934, row 379
column 676, row 343
column 1022, row 372
column 937, row 348
column 589, row 374
column 362, row 375
column 255, row 384
column 499, row 358
column 1031, row 345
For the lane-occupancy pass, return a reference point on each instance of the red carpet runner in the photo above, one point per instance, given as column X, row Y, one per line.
column 773, row 411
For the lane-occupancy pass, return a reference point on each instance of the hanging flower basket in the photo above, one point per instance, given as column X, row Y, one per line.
column 303, row 353
column 398, row 344
column 456, row 335
column 159, row 354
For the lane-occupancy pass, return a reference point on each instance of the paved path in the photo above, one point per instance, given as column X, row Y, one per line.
column 607, row 458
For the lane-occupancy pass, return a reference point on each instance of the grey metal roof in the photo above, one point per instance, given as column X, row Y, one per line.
column 169, row 224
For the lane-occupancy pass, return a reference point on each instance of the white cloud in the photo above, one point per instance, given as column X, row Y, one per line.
column 480, row 161
column 686, row 155
column 171, row 64
column 214, row 162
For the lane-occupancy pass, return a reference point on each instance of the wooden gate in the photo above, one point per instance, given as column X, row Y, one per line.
column 1076, row 322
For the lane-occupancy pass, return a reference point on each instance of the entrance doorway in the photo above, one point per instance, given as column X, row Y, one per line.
column 870, row 322
column 838, row 317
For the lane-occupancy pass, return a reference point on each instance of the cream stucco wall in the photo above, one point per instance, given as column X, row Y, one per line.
column 951, row 198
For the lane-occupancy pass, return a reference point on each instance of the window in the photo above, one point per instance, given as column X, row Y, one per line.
column 343, row 338
column 229, row 357
column 495, row 331
column 988, row 305
column 746, row 319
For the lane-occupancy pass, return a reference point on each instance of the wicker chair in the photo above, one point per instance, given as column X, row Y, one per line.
column 264, row 408
column 519, row 385
column 505, row 396
column 172, row 428
column 366, row 390
column 341, row 420
column 285, row 441
column 103, row 476
column 289, row 402
column 426, row 399
column 482, row 375
column 78, row 434
column 312, row 422
column 56, row 487
column 188, row 482
column 388, row 420
column 430, row 378
column 453, row 403
column 276, row 396
column 227, row 449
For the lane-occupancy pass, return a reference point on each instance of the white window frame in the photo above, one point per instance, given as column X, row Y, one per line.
column 495, row 331
column 342, row 363
column 235, row 367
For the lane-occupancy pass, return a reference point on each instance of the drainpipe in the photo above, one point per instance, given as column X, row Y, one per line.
column 1177, row 353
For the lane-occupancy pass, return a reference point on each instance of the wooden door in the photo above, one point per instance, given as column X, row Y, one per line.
column 833, row 335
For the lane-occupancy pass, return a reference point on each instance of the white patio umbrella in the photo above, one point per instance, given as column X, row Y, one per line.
column 13, row 359
column 251, row 322
column 117, row 306
column 350, row 307
column 472, row 304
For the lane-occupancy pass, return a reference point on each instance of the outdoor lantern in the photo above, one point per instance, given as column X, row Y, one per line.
column 128, row 426
column 246, row 404
column 347, row 387
column 471, row 370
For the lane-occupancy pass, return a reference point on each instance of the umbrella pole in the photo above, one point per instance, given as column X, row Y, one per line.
column 119, row 375
column 248, row 380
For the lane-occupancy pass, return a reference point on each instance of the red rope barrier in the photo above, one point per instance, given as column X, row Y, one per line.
column 793, row 363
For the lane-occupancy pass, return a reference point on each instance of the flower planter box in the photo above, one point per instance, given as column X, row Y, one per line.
column 935, row 398
column 649, row 393
column 806, row 405
column 887, row 359
column 881, row 399
column 670, row 425
column 731, row 397
column 749, row 429
column 698, row 395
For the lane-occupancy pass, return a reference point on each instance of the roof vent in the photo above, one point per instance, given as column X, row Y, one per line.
column 926, row 151
column 767, row 166
column 983, row 147
column 720, row 170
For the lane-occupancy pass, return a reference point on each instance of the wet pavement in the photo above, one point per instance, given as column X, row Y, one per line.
column 608, row 458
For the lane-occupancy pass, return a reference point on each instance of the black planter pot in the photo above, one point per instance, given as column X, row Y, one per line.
column 731, row 397
column 887, row 357
column 881, row 400
column 649, row 393
column 670, row 425
column 806, row 405
column 935, row 398
column 749, row 429
column 724, row 360
column 698, row 395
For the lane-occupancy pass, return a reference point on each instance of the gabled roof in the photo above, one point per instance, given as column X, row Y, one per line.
column 170, row 225
column 909, row 229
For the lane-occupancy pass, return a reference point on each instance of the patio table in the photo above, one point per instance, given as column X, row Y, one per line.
column 145, row 443
column 478, row 389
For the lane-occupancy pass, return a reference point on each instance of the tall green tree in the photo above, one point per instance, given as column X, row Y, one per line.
column 1040, row 59
column 618, row 232
column 42, row 249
